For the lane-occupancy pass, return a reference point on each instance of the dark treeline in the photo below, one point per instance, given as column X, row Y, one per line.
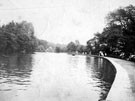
column 76, row 47
column 116, row 40
column 71, row 47
column 17, row 37
column 118, row 37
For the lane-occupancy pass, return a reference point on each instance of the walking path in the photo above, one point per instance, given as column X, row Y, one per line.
column 123, row 88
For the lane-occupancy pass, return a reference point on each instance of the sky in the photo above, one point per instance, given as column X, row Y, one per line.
column 61, row 21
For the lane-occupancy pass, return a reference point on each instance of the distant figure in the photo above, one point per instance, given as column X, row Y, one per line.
column 105, row 54
column 101, row 53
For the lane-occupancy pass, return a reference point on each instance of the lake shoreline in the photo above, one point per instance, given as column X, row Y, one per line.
column 123, row 86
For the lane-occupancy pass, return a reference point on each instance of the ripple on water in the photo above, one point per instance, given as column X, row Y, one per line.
column 54, row 77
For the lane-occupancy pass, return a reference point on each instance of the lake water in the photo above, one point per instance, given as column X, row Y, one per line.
column 54, row 77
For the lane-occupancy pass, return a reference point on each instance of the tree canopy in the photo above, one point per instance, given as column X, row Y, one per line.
column 17, row 37
column 76, row 47
column 118, row 37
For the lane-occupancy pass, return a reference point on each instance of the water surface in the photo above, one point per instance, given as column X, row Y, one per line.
column 54, row 77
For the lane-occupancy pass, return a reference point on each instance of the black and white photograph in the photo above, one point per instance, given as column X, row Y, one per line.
column 67, row 50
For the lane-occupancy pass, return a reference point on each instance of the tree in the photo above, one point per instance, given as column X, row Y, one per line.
column 124, row 20
column 17, row 37
column 71, row 47
column 118, row 37
column 57, row 49
column 93, row 44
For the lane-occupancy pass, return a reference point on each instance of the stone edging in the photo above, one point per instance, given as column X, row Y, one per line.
column 120, row 90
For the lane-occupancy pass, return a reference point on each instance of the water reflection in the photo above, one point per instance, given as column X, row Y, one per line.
column 54, row 77
column 15, row 70
column 103, row 72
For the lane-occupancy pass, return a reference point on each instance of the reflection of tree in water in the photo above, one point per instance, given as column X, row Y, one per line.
column 103, row 72
column 15, row 69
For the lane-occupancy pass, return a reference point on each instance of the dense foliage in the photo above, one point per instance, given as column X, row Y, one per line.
column 60, row 48
column 17, row 37
column 118, row 37
column 76, row 47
